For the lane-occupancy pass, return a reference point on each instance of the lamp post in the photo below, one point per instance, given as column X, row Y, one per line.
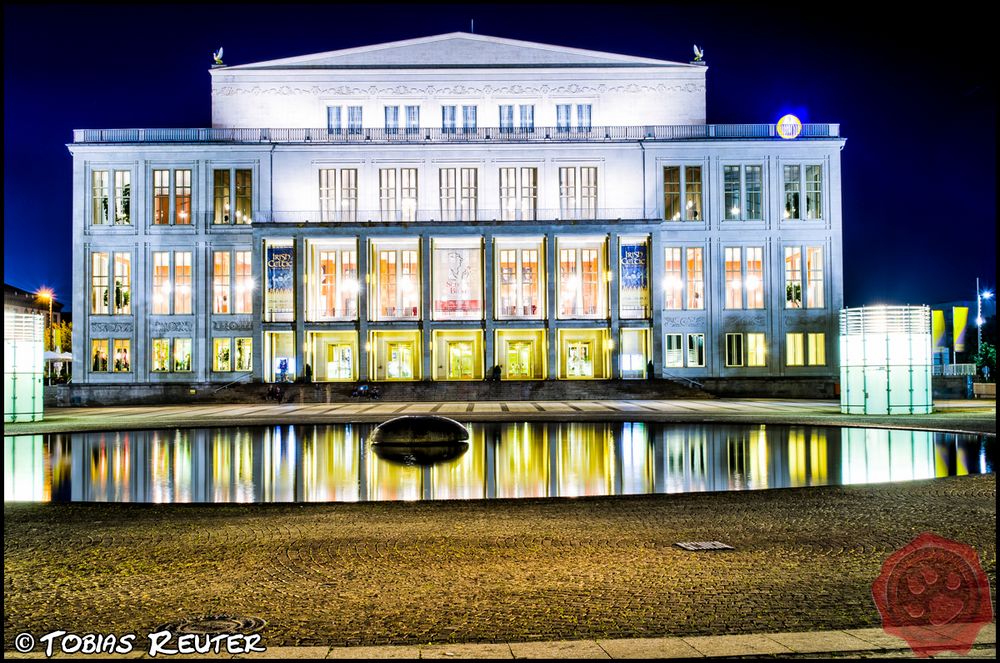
column 46, row 294
column 980, row 296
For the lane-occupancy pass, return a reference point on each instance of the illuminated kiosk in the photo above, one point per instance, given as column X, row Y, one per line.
column 22, row 367
column 885, row 360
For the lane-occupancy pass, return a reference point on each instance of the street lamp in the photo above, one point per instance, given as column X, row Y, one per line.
column 980, row 296
column 46, row 294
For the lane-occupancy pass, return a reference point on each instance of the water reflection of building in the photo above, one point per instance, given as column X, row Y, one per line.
column 334, row 463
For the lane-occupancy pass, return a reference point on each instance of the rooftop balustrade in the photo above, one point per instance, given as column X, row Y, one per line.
column 362, row 136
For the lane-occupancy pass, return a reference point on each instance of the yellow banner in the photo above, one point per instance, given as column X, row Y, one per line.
column 959, row 319
column 938, row 330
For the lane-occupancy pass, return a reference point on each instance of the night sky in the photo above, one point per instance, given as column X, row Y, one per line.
column 914, row 95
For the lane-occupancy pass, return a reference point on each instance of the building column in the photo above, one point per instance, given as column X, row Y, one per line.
column 551, row 305
column 489, row 306
column 426, row 306
column 614, row 288
column 300, row 281
column 656, row 279
column 364, row 280
column 257, row 314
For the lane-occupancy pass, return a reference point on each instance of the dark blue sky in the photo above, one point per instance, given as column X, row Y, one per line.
column 914, row 94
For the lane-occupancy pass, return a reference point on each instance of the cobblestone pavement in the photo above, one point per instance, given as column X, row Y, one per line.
column 973, row 416
column 499, row 571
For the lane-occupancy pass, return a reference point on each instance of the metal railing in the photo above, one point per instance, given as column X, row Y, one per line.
column 953, row 370
column 672, row 376
column 458, row 135
column 447, row 215
column 233, row 382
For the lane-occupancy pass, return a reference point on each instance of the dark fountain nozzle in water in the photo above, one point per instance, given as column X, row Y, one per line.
column 420, row 440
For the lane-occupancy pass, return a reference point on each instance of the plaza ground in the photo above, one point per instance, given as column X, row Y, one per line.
column 570, row 577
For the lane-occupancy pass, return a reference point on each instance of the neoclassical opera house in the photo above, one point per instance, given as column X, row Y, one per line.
column 434, row 208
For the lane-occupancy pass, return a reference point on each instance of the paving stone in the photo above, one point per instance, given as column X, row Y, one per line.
column 374, row 652
column 460, row 651
column 736, row 645
column 288, row 652
column 878, row 637
column 560, row 649
column 649, row 648
column 820, row 641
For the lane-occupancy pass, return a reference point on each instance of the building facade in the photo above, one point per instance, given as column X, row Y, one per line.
column 451, row 207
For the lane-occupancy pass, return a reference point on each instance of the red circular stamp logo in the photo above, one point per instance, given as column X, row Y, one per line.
column 934, row 594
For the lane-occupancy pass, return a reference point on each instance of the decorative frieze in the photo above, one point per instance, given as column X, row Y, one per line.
column 431, row 91
column 162, row 327
column 675, row 322
column 244, row 324
column 111, row 328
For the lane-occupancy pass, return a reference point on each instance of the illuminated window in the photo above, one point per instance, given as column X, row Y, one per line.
column 333, row 276
column 696, row 350
column 744, row 276
column 167, row 291
column 817, row 349
column 123, row 283
column 161, row 355
column 756, row 350
column 99, row 283
column 388, row 195
column 99, row 355
column 222, row 197
column 448, row 193
column 682, row 198
column 795, row 349
column 518, row 194
column 99, row 195
column 743, row 188
column 397, row 281
column 408, row 193
column 221, row 282
column 161, row 284
column 814, row 277
column 578, row 193
column 338, row 194
column 793, row 187
column 813, row 187
column 122, row 363
column 695, row 279
column 182, row 355
column 673, row 351
column 244, row 354
column 161, row 197
column 244, row 283
column 182, row 197
column 673, row 286
column 793, row 277
column 392, row 119
column 582, row 278
column 519, row 273
column 457, row 279
column 123, row 197
column 222, row 360
column 470, row 193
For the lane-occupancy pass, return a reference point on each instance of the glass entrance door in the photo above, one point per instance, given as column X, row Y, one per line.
column 580, row 359
column 339, row 361
column 460, row 360
column 400, row 366
column 519, row 360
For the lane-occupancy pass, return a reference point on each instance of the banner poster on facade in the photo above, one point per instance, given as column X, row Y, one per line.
column 938, row 330
column 280, row 262
column 634, row 275
column 959, row 320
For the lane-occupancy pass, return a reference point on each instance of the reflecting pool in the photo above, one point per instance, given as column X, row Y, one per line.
column 335, row 463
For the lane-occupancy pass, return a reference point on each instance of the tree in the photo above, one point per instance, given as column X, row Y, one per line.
column 59, row 336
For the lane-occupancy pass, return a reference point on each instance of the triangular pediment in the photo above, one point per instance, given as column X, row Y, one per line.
column 458, row 49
